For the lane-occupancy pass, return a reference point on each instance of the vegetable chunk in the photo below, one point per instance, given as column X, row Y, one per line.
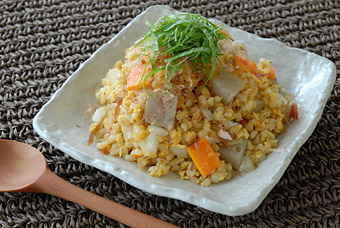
column 226, row 85
column 204, row 157
column 248, row 66
column 271, row 73
column 234, row 153
column 136, row 75
column 244, row 65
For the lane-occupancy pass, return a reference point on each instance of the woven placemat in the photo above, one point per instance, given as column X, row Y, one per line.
column 43, row 42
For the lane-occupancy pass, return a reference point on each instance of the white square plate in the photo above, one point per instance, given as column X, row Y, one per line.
column 310, row 77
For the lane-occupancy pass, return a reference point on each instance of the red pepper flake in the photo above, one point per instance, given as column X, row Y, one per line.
column 293, row 112
column 224, row 142
column 243, row 122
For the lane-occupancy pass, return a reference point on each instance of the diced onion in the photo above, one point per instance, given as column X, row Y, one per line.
column 151, row 146
column 136, row 152
column 207, row 113
column 212, row 140
column 224, row 134
column 127, row 131
column 158, row 130
column 129, row 158
column 95, row 129
column 247, row 164
column 227, row 123
column 281, row 98
column 227, row 45
column 259, row 106
column 112, row 75
column 127, row 134
column 98, row 114
column 118, row 103
column 179, row 150
column 142, row 145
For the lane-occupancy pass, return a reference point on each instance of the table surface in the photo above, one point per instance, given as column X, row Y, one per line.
column 43, row 42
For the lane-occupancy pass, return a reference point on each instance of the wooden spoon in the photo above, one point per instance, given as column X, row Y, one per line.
column 24, row 169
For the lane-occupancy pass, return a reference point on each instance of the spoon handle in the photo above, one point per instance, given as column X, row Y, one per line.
column 54, row 185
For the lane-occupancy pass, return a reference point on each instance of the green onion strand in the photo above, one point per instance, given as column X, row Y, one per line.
column 182, row 37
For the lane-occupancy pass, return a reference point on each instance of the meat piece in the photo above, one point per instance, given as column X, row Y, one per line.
column 160, row 109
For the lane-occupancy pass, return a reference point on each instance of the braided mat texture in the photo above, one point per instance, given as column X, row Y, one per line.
column 43, row 42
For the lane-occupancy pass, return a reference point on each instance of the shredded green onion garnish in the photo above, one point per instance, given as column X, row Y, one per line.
column 182, row 37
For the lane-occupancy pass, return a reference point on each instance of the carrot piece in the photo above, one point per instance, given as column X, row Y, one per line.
column 245, row 65
column 204, row 157
column 135, row 76
column 248, row 66
column 272, row 72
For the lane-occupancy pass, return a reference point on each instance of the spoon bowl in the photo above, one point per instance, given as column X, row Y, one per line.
column 24, row 169
column 20, row 165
